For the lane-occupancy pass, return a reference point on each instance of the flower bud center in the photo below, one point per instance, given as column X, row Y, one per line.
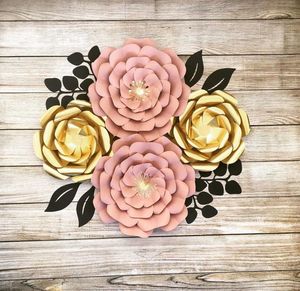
column 144, row 186
column 139, row 90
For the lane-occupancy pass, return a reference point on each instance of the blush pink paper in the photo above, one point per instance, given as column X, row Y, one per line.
column 136, row 165
column 161, row 72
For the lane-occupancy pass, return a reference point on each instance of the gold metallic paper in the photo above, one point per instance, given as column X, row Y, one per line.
column 210, row 130
column 71, row 141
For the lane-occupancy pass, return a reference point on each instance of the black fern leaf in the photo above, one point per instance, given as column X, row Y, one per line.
column 200, row 184
column 83, row 97
column 85, row 208
column 236, row 168
column 76, row 59
column 66, row 100
column 221, row 170
column 204, row 198
column 53, row 84
column 216, row 188
column 94, row 53
column 218, row 80
column 233, row 187
column 194, row 69
column 81, row 72
column 70, row 82
column 62, row 197
column 209, row 211
column 52, row 101
column 84, row 85
column 188, row 201
column 192, row 215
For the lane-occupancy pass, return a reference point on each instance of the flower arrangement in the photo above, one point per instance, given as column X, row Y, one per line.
column 149, row 145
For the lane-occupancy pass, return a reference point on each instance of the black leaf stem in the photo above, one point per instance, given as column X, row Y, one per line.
column 216, row 179
column 195, row 203
column 68, row 92
column 91, row 70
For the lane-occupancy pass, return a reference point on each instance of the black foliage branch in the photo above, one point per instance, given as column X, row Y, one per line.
column 194, row 69
column 62, row 197
column 218, row 80
column 76, row 85
column 209, row 184
column 85, row 207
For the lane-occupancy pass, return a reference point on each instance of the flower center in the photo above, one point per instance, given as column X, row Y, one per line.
column 144, row 186
column 139, row 90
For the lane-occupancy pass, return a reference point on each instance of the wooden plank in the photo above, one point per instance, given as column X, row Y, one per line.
column 252, row 72
column 156, row 255
column 263, row 108
column 264, row 143
column 255, row 281
column 259, row 179
column 214, row 36
column 133, row 10
column 237, row 215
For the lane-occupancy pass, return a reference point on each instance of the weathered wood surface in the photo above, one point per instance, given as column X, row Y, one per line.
column 27, row 74
column 213, row 36
column 264, row 143
column 156, row 255
column 267, row 280
column 238, row 215
column 268, row 103
column 147, row 9
column 253, row 243
column 259, row 179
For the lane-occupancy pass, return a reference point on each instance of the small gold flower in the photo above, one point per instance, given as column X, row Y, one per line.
column 71, row 141
column 210, row 130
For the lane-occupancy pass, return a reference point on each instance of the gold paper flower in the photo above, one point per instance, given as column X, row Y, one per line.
column 71, row 141
column 210, row 130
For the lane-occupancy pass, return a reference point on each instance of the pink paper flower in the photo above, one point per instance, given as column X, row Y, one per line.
column 143, row 186
column 138, row 88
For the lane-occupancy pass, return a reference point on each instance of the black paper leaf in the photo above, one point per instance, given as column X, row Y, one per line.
column 221, row 170
column 233, row 187
column 200, row 185
column 84, row 85
column 209, row 211
column 94, row 53
column 62, row 197
column 75, row 59
column 236, row 168
column 194, row 69
column 205, row 174
column 85, row 208
column 81, row 72
column 52, row 101
column 70, row 82
column 192, row 215
column 53, row 84
column 216, row 188
column 204, row 198
column 66, row 100
column 218, row 80
column 188, row 201
column 83, row 97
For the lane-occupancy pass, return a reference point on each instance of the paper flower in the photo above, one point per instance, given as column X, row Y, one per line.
column 71, row 140
column 210, row 130
column 139, row 88
column 143, row 186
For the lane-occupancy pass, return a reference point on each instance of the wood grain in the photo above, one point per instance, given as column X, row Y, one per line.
column 124, row 256
column 263, row 108
column 252, row 72
column 217, row 36
column 237, row 215
column 147, row 9
column 256, row 281
column 264, row 143
column 259, row 179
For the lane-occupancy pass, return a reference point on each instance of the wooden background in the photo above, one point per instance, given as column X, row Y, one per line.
column 254, row 241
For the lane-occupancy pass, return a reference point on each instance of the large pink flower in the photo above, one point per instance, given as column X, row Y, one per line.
column 143, row 186
column 138, row 88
